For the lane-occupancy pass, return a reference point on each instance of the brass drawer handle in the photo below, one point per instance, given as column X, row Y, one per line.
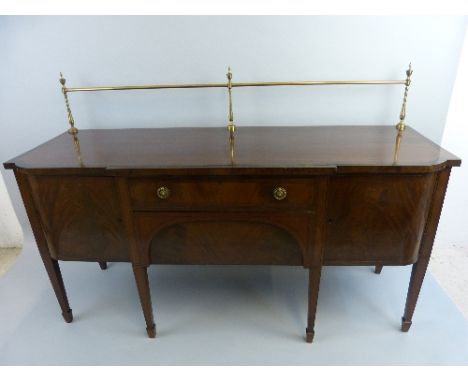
column 280, row 193
column 163, row 192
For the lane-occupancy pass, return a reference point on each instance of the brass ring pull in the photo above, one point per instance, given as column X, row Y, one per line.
column 280, row 193
column 163, row 192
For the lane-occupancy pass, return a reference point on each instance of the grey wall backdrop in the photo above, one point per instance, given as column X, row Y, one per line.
column 139, row 50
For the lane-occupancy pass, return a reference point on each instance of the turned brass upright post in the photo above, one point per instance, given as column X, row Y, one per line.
column 401, row 125
column 71, row 121
column 231, row 148
column 231, row 126
column 76, row 142
column 396, row 152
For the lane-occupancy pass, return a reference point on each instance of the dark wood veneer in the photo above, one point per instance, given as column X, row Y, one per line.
column 224, row 193
column 286, row 150
column 376, row 219
column 77, row 207
column 348, row 201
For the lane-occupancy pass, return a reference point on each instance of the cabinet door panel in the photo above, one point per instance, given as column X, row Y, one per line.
column 376, row 218
column 81, row 217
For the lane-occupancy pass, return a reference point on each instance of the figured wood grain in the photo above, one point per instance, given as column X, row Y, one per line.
column 82, row 217
column 225, row 242
column 255, row 193
column 226, row 238
column 287, row 150
column 376, row 219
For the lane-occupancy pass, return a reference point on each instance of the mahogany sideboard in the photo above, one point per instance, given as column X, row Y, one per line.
column 300, row 196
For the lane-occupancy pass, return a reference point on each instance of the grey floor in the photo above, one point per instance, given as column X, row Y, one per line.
column 224, row 316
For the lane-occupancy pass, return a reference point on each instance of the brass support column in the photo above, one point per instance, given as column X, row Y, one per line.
column 231, row 127
column 396, row 153
column 76, row 142
column 401, row 125
column 71, row 121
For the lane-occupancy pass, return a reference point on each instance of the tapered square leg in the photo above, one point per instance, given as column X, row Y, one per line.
column 51, row 265
column 309, row 336
column 314, row 283
column 405, row 324
column 417, row 277
column 378, row 269
column 68, row 316
column 55, row 276
column 141, row 278
column 103, row 265
column 419, row 268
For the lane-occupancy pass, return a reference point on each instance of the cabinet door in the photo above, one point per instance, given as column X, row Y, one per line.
column 81, row 217
column 376, row 218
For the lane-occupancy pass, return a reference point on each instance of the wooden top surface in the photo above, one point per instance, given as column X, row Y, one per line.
column 340, row 148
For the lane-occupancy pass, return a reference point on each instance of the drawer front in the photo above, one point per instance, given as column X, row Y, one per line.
column 258, row 194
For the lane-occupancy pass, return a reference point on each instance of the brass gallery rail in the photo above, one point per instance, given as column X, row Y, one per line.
column 229, row 85
column 235, row 85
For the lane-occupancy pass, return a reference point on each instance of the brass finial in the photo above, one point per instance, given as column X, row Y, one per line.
column 231, row 126
column 401, row 125
column 71, row 121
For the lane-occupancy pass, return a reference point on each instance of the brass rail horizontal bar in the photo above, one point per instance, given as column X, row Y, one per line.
column 234, row 85
column 143, row 87
column 318, row 83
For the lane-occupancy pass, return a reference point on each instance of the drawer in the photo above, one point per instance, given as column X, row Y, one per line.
column 211, row 194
